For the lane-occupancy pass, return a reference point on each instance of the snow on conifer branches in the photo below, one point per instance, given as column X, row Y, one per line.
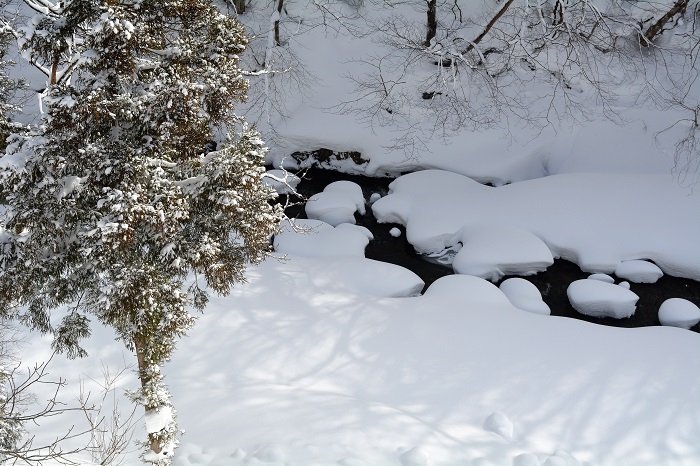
column 118, row 196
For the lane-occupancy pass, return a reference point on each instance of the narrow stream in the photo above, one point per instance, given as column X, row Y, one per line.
column 552, row 283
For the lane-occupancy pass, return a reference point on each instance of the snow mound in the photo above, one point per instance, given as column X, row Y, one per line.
column 281, row 180
column 639, row 271
column 524, row 295
column 679, row 312
column 493, row 252
column 395, row 232
column 602, row 277
column 337, row 203
column 469, row 290
column 368, row 277
column 600, row 299
column 314, row 238
column 499, row 424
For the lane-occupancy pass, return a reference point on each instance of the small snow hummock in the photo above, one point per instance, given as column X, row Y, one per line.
column 625, row 285
column 639, row 271
column 416, row 456
column 600, row 299
column 499, row 424
column 395, row 232
column 678, row 312
column 374, row 198
column 492, row 252
column 524, row 295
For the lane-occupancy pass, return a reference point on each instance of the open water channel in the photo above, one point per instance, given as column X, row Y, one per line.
column 552, row 283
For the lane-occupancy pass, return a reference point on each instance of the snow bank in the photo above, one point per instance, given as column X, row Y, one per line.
column 678, row 312
column 571, row 213
column 600, row 299
column 492, row 252
column 330, row 378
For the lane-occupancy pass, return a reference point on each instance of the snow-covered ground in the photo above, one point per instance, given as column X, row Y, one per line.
column 327, row 358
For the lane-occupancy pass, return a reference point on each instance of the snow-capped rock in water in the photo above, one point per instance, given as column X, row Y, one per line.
column 374, row 198
column 625, row 285
column 499, row 424
column 395, row 232
column 314, row 238
column 639, row 271
column 602, row 277
column 350, row 189
column 493, row 252
column 678, row 312
column 337, row 203
column 524, row 295
column 281, row 180
column 600, row 299
column 331, row 207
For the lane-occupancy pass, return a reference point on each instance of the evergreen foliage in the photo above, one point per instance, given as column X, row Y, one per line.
column 116, row 199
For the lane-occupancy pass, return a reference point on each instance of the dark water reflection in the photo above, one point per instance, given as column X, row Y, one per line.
column 552, row 283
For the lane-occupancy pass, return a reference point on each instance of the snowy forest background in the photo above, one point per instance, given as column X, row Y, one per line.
column 519, row 132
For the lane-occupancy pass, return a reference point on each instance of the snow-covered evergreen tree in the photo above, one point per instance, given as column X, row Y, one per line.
column 118, row 200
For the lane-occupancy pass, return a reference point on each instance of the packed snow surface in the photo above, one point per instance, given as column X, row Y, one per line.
column 639, row 271
column 601, row 299
column 573, row 215
column 524, row 295
column 678, row 312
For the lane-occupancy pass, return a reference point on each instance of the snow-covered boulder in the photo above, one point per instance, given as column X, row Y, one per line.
column 600, row 299
column 602, row 277
column 337, row 203
column 314, row 238
column 639, row 271
column 351, row 190
column 492, row 252
column 333, row 208
column 281, row 180
column 678, row 312
column 524, row 295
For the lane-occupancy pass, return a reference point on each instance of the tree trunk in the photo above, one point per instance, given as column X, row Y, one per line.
column 657, row 28
column 146, row 379
column 239, row 5
column 432, row 22
column 280, row 5
column 489, row 26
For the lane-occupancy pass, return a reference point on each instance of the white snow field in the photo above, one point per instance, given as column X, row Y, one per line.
column 327, row 358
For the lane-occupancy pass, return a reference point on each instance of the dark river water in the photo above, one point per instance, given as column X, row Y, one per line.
column 552, row 283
